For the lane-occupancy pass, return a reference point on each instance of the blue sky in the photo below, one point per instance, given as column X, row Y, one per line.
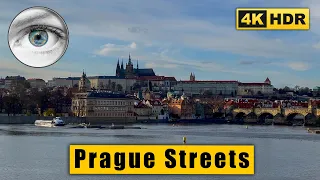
column 176, row 38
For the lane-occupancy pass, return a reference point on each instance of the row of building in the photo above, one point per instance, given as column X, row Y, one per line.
column 102, row 104
column 130, row 79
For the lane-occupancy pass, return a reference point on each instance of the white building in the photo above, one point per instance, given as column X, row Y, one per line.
column 64, row 82
column 255, row 88
column 194, row 87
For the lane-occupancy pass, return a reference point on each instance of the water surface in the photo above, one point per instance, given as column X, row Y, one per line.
column 38, row 153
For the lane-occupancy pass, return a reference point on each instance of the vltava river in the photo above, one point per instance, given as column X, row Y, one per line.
column 34, row 153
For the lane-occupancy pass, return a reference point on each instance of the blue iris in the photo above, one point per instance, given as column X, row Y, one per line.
column 38, row 38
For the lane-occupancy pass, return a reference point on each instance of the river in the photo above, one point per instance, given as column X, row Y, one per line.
column 37, row 153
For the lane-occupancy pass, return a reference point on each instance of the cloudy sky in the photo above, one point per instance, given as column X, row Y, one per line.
column 175, row 38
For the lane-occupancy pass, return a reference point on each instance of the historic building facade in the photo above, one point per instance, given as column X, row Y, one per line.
column 130, row 72
column 102, row 105
column 256, row 88
column 37, row 83
column 194, row 87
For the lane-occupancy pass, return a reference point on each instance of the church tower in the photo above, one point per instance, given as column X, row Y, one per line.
column 118, row 70
column 192, row 77
column 129, row 68
column 84, row 83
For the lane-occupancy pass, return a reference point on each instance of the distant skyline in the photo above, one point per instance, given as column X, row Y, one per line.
column 175, row 38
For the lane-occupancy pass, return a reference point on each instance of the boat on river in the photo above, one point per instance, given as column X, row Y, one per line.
column 57, row 121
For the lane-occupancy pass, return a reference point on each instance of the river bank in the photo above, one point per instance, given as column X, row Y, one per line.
column 104, row 121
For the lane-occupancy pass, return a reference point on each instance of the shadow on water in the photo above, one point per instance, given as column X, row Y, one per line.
column 19, row 132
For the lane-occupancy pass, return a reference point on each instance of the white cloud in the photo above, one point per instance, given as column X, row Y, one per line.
column 160, row 65
column 317, row 45
column 299, row 66
column 112, row 49
column 183, row 31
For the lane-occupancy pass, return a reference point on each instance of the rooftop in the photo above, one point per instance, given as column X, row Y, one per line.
column 97, row 94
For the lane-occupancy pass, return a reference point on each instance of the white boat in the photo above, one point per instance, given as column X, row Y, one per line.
column 57, row 121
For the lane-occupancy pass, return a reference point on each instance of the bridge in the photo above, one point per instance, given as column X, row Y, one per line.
column 278, row 115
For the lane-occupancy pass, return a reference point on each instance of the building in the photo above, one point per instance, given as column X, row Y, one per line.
column 130, row 72
column 97, row 104
column 2, row 83
column 142, row 109
column 84, row 83
column 194, row 87
column 112, row 83
column 64, row 82
column 37, row 83
column 181, row 108
column 156, row 83
column 11, row 81
column 255, row 88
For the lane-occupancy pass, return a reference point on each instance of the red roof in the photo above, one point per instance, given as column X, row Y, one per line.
column 189, row 81
column 170, row 78
column 254, row 84
column 267, row 80
column 151, row 78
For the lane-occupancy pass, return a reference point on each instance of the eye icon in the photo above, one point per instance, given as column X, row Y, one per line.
column 38, row 37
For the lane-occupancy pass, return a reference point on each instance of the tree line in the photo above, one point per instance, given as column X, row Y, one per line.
column 22, row 99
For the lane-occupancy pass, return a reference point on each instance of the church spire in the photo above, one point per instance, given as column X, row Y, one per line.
column 122, row 64
column 137, row 64
column 129, row 63
column 118, row 65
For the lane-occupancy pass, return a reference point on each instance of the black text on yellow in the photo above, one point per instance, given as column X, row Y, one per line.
column 161, row 159
column 272, row 19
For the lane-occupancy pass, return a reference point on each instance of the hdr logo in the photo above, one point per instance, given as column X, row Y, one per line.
column 272, row 19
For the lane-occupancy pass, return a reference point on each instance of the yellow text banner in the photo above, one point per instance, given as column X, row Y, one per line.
column 161, row 159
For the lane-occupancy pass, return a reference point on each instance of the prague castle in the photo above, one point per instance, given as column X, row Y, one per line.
column 131, row 72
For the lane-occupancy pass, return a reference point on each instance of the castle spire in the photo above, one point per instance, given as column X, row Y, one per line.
column 118, row 65
column 129, row 63
column 122, row 64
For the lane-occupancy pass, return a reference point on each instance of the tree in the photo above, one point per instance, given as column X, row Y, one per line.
column 49, row 112
column 162, row 112
column 150, row 86
column 119, row 87
column 101, row 86
column 113, row 86
column 207, row 93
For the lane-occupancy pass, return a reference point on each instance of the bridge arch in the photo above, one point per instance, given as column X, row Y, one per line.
column 239, row 118
column 310, row 119
column 296, row 118
column 240, row 115
column 265, row 116
column 252, row 115
column 310, row 116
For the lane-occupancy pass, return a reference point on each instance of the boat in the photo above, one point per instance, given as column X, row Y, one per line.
column 57, row 121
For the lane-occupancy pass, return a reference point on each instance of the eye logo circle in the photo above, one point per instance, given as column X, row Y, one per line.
column 38, row 37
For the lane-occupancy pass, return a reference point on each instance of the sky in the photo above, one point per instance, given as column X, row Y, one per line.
column 175, row 38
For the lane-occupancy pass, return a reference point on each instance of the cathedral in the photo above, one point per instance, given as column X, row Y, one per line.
column 130, row 72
